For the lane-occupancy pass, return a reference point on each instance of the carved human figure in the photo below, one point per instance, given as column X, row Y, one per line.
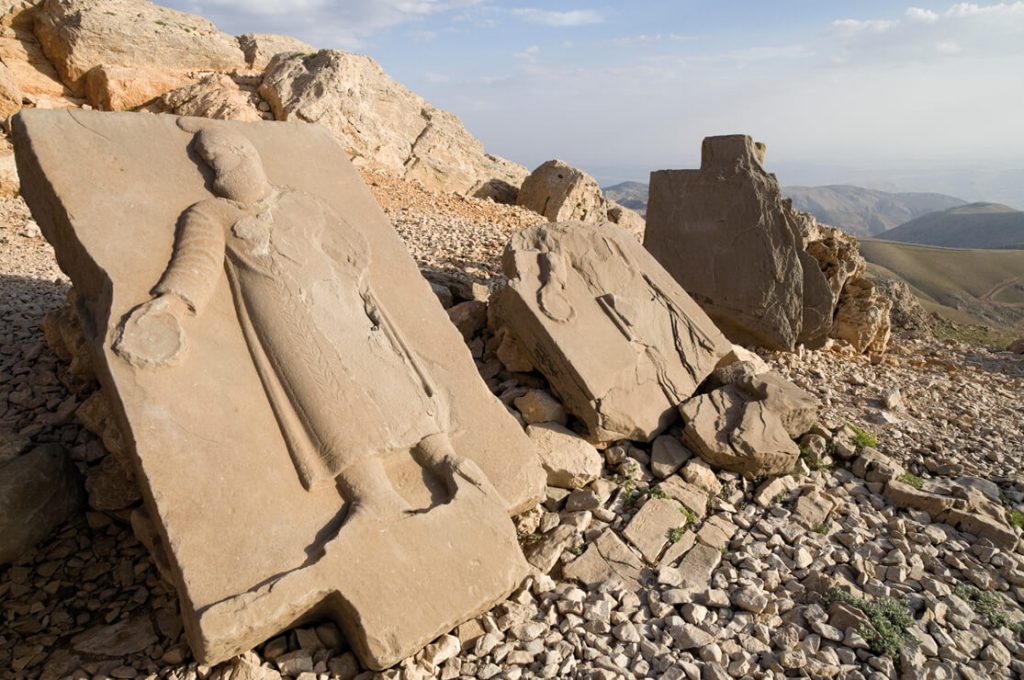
column 343, row 383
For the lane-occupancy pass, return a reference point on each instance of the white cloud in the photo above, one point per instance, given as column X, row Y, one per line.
column 962, row 30
column 335, row 23
column 568, row 19
column 641, row 39
column 529, row 54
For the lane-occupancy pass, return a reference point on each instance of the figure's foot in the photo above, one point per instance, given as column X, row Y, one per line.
column 369, row 493
column 436, row 453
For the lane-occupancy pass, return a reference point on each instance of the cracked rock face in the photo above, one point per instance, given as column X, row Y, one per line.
column 381, row 123
column 620, row 342
column 747, row 426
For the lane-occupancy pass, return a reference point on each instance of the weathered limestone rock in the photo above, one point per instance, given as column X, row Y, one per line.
column 668, row 455
column 795, row 407
column 562, row 193
column 10, row 93
column 381, row 123
column 38, row 491
column 214, row 96
column 122, row 88
column 606, row 558
column 620, row 342
column 730, row 429
column 260, row 48
column 650, row 529
column 862, row 318
column 123, row 36
column 691, row 496
column 570, row 461
column 630, row 220
column 722, row 233
column 294, row 419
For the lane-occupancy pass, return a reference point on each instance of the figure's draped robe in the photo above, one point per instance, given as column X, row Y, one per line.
column 341, row 382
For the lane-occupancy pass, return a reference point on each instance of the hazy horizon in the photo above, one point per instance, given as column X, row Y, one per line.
column 924, row 96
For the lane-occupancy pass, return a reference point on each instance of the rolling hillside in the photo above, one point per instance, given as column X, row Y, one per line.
column 865, row 212
column 964, row 285
column 855, row 210
column 977, row 225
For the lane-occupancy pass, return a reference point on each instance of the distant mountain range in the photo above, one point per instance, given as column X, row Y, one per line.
column 976, row 225
column 866, row 212
column 857, row 211
column 632, row 195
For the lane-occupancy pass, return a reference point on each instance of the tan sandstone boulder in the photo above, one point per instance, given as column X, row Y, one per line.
column 722, row 232
column 618, row 340
column 141, row 49
column 562, row 193
column 381, row 123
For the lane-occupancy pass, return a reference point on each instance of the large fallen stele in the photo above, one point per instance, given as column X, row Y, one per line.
column 309, row 431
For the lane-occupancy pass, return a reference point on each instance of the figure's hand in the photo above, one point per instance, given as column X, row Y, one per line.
column 152, row 334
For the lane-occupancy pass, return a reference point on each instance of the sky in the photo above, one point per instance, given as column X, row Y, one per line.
column 906, row 96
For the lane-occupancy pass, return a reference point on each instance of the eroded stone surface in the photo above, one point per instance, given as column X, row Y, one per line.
column 620, row 342
column 231, row 475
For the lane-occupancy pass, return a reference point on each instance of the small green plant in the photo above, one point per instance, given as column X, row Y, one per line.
column 725, row 550
column 577, row 549
column 821, row 528
column 690, row 515
column 676, row 534
column 656, row 492
column 889, row 620
column 1015, row 518
column 912, row 480
column 989, row 606
column 780, row 497
column 533, row 538
column 863, row 438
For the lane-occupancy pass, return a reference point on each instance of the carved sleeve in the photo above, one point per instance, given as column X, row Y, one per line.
column 198, row 259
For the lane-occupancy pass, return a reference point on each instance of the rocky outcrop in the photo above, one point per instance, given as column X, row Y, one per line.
column 620, row 342
column 795, row 272
column 907, row 313
column 563, row 193
column 862, row 317
column 28, row 68
column 382, row 124
column 214, row 96
column 123, row 53
column 260, row 48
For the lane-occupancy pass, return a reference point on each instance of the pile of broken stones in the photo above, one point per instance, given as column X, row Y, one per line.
column 648, row 561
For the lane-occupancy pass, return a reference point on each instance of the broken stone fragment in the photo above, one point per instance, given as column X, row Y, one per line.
column 668, row 455
column 538, row 406
column 571, row 462
column 731, row 431
column 618, row 340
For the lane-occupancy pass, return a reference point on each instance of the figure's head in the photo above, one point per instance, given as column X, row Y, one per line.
column 238, row 169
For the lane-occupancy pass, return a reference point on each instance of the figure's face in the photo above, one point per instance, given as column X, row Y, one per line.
column 238, row 169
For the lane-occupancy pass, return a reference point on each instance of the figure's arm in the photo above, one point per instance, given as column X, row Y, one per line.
column 152, row 334
column 198, row 259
